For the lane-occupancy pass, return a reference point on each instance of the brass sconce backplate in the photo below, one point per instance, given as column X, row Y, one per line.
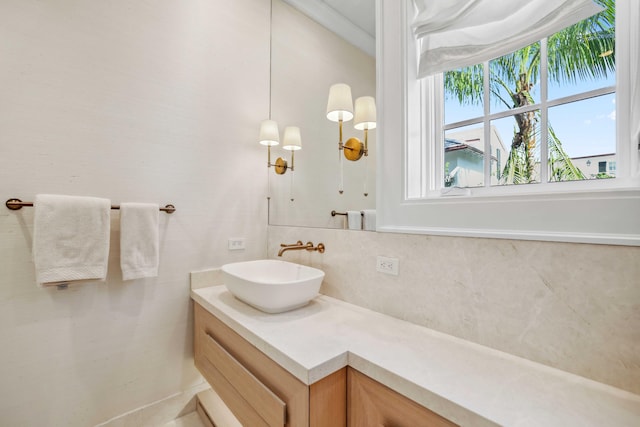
column 353, row 149
column 281, row 166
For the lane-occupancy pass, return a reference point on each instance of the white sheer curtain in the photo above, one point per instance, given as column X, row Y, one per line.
column 457, row 33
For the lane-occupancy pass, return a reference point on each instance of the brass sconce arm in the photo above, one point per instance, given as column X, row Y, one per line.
column 280, row 165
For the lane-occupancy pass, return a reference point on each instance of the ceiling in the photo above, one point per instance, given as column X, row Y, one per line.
column 353, row 20
column 361, row 12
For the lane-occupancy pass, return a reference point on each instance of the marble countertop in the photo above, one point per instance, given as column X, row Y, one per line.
column 469, row 384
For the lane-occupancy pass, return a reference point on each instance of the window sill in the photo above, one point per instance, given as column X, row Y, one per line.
column 603, row 188
column 597, row 217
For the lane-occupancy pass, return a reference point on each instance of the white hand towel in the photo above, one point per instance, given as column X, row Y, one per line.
column 354, row 220
column 139, row 243
column 70, row 238
column 369, row 219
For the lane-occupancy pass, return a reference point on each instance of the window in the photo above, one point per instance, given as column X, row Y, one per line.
column 602, row 167
column 427, row 154
column 550, row 103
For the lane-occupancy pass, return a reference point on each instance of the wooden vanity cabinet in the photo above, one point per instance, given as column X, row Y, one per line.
column 260, row 393
column 256, row 389
column 373, row 404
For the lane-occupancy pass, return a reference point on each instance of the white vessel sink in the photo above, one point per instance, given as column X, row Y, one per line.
column 272, row 286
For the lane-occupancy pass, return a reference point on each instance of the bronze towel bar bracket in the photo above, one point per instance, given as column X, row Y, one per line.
column 16, row 204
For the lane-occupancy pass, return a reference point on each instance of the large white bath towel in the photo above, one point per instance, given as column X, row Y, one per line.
column 139, row 241
column 70, row 238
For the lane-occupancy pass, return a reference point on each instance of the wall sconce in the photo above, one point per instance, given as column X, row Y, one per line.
column 270, row 136
column 340, row 109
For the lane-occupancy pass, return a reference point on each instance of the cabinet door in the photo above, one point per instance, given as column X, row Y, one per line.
column 373, row 404
column 328, row 401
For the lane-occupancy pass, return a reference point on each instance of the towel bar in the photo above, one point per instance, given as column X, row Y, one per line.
column 334, row 213
column 16, row 204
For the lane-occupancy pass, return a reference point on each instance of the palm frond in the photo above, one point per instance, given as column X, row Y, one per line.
column 465, row 85
column 561, row 168
column 508, row 68
column 584, row 51
column 497, row 86
column 515, row 169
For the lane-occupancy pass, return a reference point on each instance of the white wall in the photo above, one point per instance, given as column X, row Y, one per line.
column 133, row 101
column 566, row 305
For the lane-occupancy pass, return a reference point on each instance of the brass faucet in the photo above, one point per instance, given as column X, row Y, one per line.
column 299, row 245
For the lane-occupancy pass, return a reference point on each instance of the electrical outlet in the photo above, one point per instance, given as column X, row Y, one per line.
column 387, row 265
column 236, row 243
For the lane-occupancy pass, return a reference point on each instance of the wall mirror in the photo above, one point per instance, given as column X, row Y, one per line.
column 307, row 58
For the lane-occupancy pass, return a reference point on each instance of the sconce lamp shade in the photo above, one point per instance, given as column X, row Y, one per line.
column 292, row 140
column 365, row 117
column 340, row 104
column 269, row 135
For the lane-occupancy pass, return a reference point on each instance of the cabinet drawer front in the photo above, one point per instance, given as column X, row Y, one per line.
column 269, row 406
column 284, row 385
column 242, row 410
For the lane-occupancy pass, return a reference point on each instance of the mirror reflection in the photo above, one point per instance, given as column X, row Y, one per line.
column 307, row 59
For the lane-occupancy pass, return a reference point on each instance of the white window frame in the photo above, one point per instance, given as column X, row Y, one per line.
column 410, row 167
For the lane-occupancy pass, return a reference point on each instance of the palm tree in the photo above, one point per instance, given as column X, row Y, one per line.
column 580, row 52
